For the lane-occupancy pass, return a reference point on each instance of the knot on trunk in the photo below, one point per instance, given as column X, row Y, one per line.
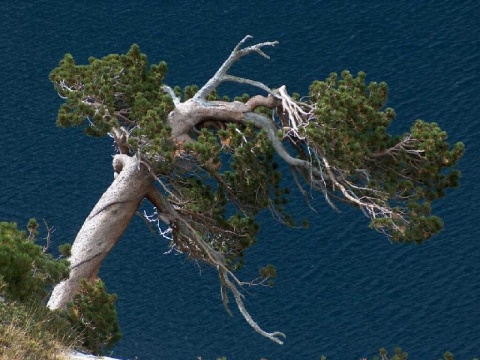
column 118, row 163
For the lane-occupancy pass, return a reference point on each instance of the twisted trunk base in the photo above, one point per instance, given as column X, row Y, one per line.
column 104, row 226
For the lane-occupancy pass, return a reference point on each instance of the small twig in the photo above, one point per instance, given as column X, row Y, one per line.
column 50, row 231
column 167, row 89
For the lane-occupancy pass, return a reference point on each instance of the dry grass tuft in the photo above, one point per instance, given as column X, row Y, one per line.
column 27, row 334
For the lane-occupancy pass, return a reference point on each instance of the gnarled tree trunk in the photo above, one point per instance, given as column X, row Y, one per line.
column 104, row 226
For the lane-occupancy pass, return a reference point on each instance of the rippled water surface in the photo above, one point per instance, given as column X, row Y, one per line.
column 343, row 291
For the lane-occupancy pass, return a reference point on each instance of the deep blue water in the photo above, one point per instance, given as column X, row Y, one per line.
column 343, row 291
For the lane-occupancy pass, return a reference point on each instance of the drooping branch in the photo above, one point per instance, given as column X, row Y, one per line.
column 274, row 336
column 211, row 256
column 297, row 114
column 317, row 172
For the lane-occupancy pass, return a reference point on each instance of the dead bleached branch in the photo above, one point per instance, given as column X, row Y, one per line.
column 221, row 75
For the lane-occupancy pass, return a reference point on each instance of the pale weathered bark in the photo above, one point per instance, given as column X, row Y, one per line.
column 104, row 226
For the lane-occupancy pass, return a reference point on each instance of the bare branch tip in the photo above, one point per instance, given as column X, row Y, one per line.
column 275, row 337
column 243, row 41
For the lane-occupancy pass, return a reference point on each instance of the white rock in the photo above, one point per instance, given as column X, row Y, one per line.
column 75, row 355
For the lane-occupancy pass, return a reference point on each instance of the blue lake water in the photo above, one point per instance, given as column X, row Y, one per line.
column 343, row 290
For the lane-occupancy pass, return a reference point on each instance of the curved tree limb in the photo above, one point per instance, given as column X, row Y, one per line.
column 274, row 336
column 214, row 258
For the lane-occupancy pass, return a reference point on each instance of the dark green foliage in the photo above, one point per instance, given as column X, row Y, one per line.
column 28, row 330
column 398, row 354
column 253, row 175
column 238, row 180
column 118, row 90
column 191, row 90
column 32, row 228
column 248, row 184
column 269, row 273
column 448, row 356
column 112, row 84
column 65, row 249
column 26, row 271
column 244, row 98
column 405, row 172
column 92, row 313
column 348, row 124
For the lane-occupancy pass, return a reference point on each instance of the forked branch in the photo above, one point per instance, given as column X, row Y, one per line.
column 274, row 336
column 221, row 75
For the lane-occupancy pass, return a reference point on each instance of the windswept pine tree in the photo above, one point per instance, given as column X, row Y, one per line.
column 210, row 165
